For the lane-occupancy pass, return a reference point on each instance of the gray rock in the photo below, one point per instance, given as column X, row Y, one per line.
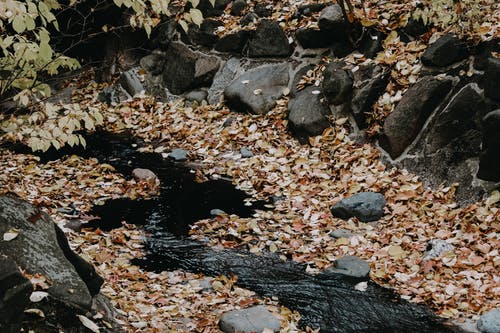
column 351, row 266
column 366, row 206
column 337, row 83
column 489, row 163
column 257, row 90
column 113, row 94
column 131, row 82
column 307, row 114
column 268, row 40
column 245, row 152
column 254, row 319
column 332, row 19
column 341, row 233
column 492, row 79
column 490, row 321
column 186, row 69
column 178, row 154
column 365, row 96
column 403, row 124
column 437, row 247
column 153, row 62
column 445, row 51
column 238, row 7
column 224, row 76
column 196, row 95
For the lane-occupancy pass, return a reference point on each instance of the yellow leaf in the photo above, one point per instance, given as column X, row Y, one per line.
column 396, row 252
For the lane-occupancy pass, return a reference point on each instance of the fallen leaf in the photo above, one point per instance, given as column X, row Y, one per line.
column 37, row 296
column 10, row 235
column 89, row 323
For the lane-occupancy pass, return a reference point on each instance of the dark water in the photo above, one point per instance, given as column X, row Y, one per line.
column 327, row 300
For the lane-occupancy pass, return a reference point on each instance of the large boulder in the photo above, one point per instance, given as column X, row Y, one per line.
column 445, row 51
column 307, row 113
column 268, row 40
column 366, row 206
column 489, row 163
column 186, row 69
column 492, row 79
column 489, row 322
column 351, row 266
column 254, row 319
column 403, row 124
column 257, row 90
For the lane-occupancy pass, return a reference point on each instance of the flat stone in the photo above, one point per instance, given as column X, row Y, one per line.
column 254, row 319
column 351, row 266
column 245, row 152
column 366, row 206
column 178, row 154
column 341, row 233
column 489, row 322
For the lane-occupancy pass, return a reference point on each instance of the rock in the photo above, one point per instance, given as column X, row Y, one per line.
column 178, row 154
column 131, row 82
column 209, row 10
column 351, row 266
column 436, row 248
column 15, row 291
column 153, row 62
column 257, row 90
column 332, row 19
column 366, row 206
column 297, row 77
column 165, row 34
column 404, row 123
column 307, row 114
column 311, row 8
column 254, row 319
column 245, row 152
column 490, row 321
column 489, row 161
column 268, row 40
column 461, row 115
column 238, row 7
column 310, row 38
column 492, row 79
column 222, row 79
column 37, row 250
column 145, row 175
column 337, row 83
column 186, row 69
column 365, row 96
column 113, row 94
column 341, row 233
column 484, row 51
column 445, row 51
column 263, row 9
column 249, row 18
column 233, row 42
column 371, row 43
column 196, row 96
column 203, row 35
column 217, row 212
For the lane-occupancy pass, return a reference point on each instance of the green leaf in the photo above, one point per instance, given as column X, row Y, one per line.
column 18, row 24
column 45, row 52
column 196, row 16
column 30, row 23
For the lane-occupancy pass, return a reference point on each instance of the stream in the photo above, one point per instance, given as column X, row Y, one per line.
column 327, row 300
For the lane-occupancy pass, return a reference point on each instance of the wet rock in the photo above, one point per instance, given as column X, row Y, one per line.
column 351, row 266
column 254, row 319
column 223, row 78
column 366, row 95
column 436, row 248
column 337, row 83
column 153, row 62
column 332, row 19
column 366, row 206
column 462, row 114
column 186, row 69
column 233, row 42
column 489, row 322
column 178, row 154
column 15, row 290
column 310, row 38
column 445, row 51
column 492, row 79
column 307, row 113
column 245, row 152
column 268, row 40
column 257, row 90
column 131, row 82
column 341, row 233
column 403, row 124
column 238, row 7
column 489, row 162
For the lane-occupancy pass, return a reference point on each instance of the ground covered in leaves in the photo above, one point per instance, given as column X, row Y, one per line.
column 305, row 180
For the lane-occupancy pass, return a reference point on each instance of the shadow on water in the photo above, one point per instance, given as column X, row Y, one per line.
column 326, row 300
